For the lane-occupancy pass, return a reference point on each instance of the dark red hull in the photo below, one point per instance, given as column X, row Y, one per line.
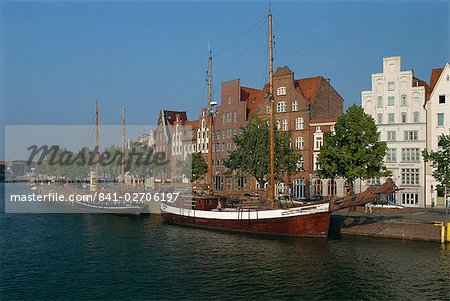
column 313, row 225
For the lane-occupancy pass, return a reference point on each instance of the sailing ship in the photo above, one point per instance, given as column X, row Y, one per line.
column 113, row 207
column 206, row 211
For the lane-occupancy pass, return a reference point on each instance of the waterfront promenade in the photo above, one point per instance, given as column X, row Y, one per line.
column 407, row 223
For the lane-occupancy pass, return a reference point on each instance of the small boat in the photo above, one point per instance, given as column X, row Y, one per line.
column 111, row 206
column 121, row 209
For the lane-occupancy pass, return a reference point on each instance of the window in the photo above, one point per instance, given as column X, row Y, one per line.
column 380, row 118
column 281, row 91
column 234, row 116
column 318, row 142
column 404, row 101
column 278, row 123
column 333, row 129
column 267, row 109
column 299, row 143
column 440, row 119
column 410, row 155
column 380, row 102
column 318, row 187
column 229, row 98
column 411, row 135
column 374, row 182
column 295, row 105
column 316, row 164
column 299, row 123
column 441, row 99
column 391, row 155
column 391, row 86
column 281, row 107
column 348, row 188
column 410, row 198
column 285, row 125
column 331, row 187
column 416, row 117
column 391, row 118
column 404, row 117
column 410, row 176
column 391, row 135
column 391, row 101
column 299, row 188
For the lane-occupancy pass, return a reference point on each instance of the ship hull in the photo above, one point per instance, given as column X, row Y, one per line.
column 314, row 224
column 120, row 210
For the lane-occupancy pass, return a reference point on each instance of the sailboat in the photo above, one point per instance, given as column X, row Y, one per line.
column 206, row 211
column 114, row 207
column 311, row 220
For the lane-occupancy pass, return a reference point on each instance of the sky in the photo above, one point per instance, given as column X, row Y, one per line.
column 58, row 57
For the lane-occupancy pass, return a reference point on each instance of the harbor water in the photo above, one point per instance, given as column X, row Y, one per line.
column 99, row 256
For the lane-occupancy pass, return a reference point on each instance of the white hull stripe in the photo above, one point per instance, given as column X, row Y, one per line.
column 246, row 214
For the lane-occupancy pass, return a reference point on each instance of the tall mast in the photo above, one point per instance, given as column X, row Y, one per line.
column 271, row 117
column 96, row 145
column 210, row 140
column 123, row 150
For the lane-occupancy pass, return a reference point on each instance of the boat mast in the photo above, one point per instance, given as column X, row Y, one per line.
column 271, row 117
column 123, row 150
column 210, row 140
column 96, row 146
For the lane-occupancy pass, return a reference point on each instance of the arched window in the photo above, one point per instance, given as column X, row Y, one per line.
column 403, row 101
column 380, row 118
column 404, row 119
column 318, row 187
column 331, row 187
column 281, row 91
column 299, row 123
column 281, row 107
column 347, row 188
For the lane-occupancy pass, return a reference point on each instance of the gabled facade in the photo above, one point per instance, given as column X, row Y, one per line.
column 396, row 102
column 298, row 104
column 438, row 123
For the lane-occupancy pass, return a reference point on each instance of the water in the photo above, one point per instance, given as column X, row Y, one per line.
column 96, row 256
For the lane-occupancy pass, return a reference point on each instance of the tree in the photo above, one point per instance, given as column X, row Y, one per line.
column 252, row 152
column 440, row 161
column 353, row 150
column 193, row 167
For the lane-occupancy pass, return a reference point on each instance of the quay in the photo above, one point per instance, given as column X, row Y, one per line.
column 426, row 224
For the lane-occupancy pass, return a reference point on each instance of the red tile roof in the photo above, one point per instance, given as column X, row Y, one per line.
column 252, row 98
column 434, row 77
column 170, row 116
column 308, row 87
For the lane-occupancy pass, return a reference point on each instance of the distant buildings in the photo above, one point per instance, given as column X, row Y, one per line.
column 397, row 103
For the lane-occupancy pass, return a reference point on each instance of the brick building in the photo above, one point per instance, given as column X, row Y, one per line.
column 306, row 108
column 237, row 104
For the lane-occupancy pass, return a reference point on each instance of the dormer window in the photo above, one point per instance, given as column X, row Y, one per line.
column 281, row 91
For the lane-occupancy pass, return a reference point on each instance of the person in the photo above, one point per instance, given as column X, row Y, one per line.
column 219, row 206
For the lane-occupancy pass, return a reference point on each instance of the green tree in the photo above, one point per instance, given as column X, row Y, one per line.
column 252, row 152
column 353, row 150
column 440, row 161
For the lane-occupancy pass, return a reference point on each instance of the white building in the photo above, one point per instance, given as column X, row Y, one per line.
column 396, row 102
column 438, row 123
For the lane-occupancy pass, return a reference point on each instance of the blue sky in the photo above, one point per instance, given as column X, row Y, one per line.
column 58, row 57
